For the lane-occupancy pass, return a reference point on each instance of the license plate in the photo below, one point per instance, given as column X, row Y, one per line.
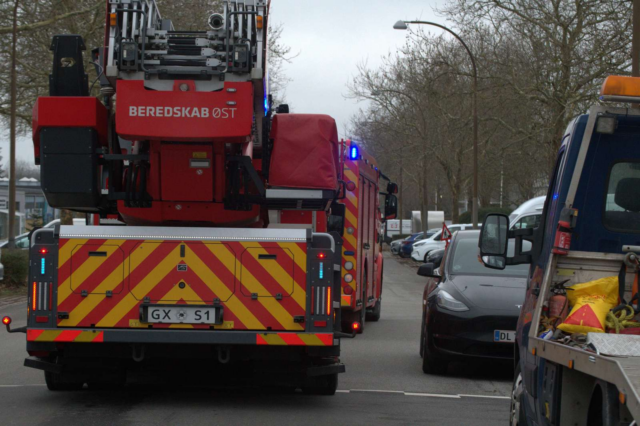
column 504, row 336
column 181, row 314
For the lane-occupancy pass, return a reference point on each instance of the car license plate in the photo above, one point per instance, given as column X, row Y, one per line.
column 504, row 336
column 181, row 314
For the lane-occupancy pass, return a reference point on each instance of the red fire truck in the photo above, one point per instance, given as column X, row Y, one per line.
column 212, row 269
column 364, row 214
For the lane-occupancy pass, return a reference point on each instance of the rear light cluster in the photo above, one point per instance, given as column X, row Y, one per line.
column 320, row 300
column 42, row 296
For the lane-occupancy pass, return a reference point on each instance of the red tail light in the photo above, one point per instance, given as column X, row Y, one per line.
column 329, row 301
column 348, row 290
column 356, row 326
column 321, row 255
column 319, row 324
column 6, row 320
column 42, row 319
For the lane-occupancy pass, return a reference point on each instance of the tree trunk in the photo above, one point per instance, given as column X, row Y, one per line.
column 425, row 196
column 12, row 144
column 400, row 199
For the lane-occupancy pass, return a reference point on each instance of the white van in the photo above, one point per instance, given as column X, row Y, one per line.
column 528, row 215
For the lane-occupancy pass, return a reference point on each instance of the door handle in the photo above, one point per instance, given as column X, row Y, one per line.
column 367, row 246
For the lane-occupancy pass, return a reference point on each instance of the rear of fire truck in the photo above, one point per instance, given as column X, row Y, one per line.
column 179, row 148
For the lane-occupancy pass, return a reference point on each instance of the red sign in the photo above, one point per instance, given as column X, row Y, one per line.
column 184, row 114
column 446, row 234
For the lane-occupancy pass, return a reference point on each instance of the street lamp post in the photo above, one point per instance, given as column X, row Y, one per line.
column 402, row 25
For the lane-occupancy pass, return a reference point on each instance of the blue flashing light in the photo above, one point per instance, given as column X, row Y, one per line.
column 42, row 263
column 266, row 104
column 353, row 152
column 555, row 196
column 321, row 270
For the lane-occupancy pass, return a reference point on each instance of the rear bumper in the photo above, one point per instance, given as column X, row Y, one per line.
column 180, row 337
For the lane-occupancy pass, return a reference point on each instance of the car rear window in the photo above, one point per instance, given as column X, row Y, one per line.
column 466, row 260
column 622, row 203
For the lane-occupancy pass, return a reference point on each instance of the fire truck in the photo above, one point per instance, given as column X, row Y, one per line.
column 362, row 261
column 210, row 269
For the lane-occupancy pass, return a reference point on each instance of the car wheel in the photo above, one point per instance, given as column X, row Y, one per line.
column 431, row 364
column 517, row 416
column 425, row 258
column 422, row 335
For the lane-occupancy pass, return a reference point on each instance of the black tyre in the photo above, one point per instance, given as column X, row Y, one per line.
column 431, row 364
column 422, row 334
column 517, row 416
column 323, row 385
column 363, row 310
column 59, row 382
column 374, row 314
column 604, row 408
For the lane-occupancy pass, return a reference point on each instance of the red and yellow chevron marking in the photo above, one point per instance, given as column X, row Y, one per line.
column 294, row 339
column 65, row 336
column 351, row 221
column 134, row 270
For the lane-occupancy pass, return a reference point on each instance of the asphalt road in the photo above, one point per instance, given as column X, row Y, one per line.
column 384, row 384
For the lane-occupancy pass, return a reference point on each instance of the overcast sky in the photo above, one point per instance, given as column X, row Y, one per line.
column 331, row 37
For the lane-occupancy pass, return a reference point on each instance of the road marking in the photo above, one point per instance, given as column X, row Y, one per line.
column 376, row 391
column 486, row 396
column 425, row 395
column 18, row 386
column 432, row 395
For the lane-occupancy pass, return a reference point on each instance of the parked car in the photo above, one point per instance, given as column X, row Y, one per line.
column 435, row 257
column 469, row 311
column 528, row 214
column 423, row 248
column 407, row 246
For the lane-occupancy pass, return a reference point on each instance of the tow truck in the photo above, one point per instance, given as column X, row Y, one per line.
column 183, row 148
column 589, row 230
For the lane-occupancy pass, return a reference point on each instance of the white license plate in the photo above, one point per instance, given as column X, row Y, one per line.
column 182, row 314
column 504, row 336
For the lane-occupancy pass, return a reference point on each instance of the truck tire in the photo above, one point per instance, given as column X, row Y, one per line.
column 603, row 408
column 59, row 382
column 363, row 308
column 517, row 416
column 374, row 314
column 323, row 385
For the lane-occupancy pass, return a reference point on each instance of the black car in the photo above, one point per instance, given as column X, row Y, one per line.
column 469, row 311
column 435, row 257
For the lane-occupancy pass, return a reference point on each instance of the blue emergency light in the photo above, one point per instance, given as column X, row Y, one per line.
column 353, row 152
column 42, row 266
column 321, row 271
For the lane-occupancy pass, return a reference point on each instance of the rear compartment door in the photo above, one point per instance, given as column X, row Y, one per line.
column 260, row 285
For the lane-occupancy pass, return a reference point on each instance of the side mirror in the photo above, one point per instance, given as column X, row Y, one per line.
column 392, row 188
column 391, row 207
column 494, row 241
column 428, row 270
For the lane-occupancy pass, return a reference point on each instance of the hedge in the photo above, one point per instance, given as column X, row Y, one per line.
column 16, row 267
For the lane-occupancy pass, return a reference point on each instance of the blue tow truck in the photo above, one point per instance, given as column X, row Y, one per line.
column 590, row 229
